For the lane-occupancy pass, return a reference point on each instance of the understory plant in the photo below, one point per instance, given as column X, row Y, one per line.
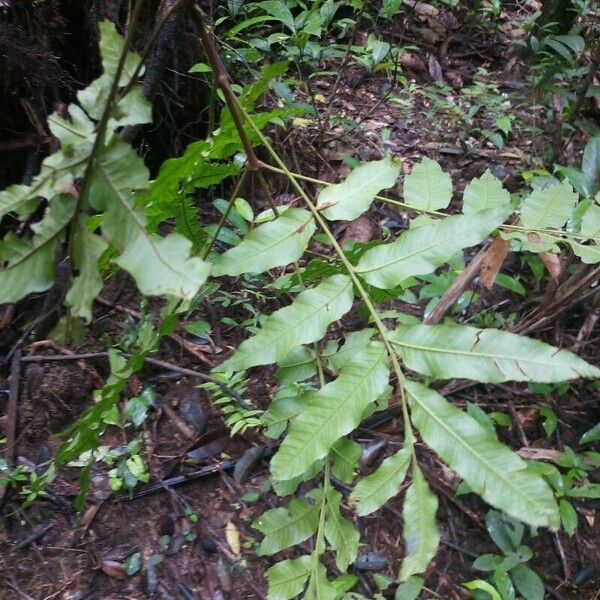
column 98, row 203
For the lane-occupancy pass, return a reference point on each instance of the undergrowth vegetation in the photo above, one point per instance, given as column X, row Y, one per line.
column 93, row 206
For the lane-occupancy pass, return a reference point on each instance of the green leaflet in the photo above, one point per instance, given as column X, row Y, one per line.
column 485, row 192
column 548, row 207
column 341, row 534
column 319, row 587
column 490, row 469
column 158, row 265
column 87, row 250
column 420, row 251
column 273, row 244
column 288, row 577
column 486, row 355
column 420, row 532
column 303, row 322
column 347, row 200
column 17, row 198
column 372, row 492
column 77, row 130
column 590, row 222
column 346, row 454
column 588, row 253
column 285, row 527
column 427, row 186
column 31, row 263
column 332, row 412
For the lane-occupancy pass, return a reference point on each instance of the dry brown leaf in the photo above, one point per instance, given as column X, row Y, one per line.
column 359, row 230
column 552, row 264
column 412, row 62
column 113, row 568
column 435, row 69
column 232, row 535
column 493, row 261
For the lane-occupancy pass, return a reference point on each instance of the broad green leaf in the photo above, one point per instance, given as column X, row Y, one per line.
column 568, row 517
column 486, row 355
column 273, row 244
column 280, row 11
column 590, row 167
column 530, row 586
column 286, row 527
column 484, row 586
column 485, row 192
column 420, row 532
column 302, row 322
column 332, row 412
column 319, row 587
column 30, row 263
column 590, row 222
column 427, row 186
column 288, row 577
column 410, row 589
column 489, row 468
column 158, row 265
column 163, row 266
column 298, row 365
column 355, row 341
column 346, row 454
column 17, row 198
column 588, row 253
column 372, row 492
column 341, row 534
column 75, row 131
column 548, row 207
column 420, row 251
column 346, row 201
column 87, row 250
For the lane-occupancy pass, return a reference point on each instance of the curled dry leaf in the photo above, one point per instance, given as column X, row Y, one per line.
column 232, row 535
column 552, row 264
column 493, row 261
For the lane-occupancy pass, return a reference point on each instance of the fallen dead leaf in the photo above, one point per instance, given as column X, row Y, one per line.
column 232, row 535
column 492, row 263
column 552, row 264
column 114, row 569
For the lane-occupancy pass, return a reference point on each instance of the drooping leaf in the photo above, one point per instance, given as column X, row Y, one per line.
column 420, row 532
column 87, row 250
column 421, row 250
column 548, row 207
column 486, row 355
column 590, row 167
column 303, row 322
column 372, row 492
column 280, row 11
column 158, row 265
column 346, row 201
column 427, row 186
column 528, row 583
column 485, row 192
column 341, row 534
column 286, row 527
column 288, row 578
column 273, row 244
column 30, row 265
column 332, row 412
column 590, row 222
column 488, row 467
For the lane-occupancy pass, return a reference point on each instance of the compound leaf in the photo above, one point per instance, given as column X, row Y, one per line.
column 421, row 536
column 347, row 200
column 427, row 186
column 486, row 355
column 489, row 468
column 332, row 412
column 302, row 322
column 273, row 244
column 421, row 250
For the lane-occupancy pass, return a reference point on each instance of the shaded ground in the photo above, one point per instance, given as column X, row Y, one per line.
column 190, row 531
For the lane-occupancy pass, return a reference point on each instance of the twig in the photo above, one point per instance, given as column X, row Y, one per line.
column 179, row 423
column 34, row 537
column 452, row 294
column 11, row 410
